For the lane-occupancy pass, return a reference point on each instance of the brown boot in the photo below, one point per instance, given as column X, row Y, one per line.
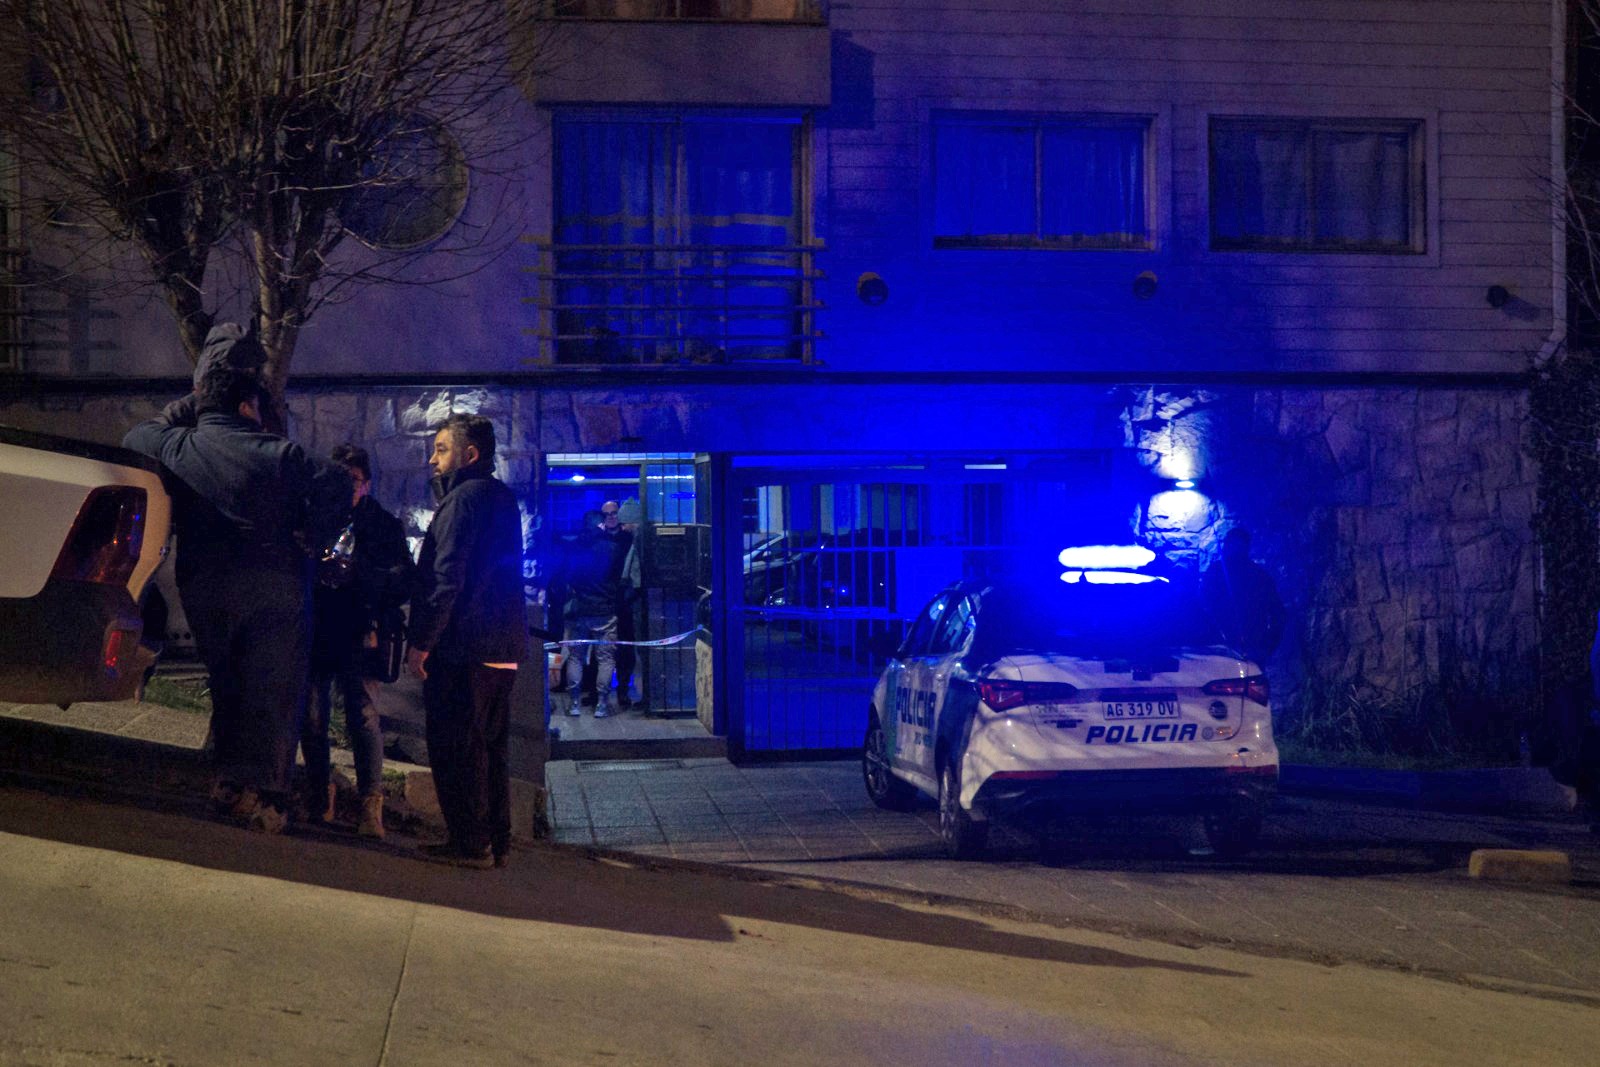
column 371, row 824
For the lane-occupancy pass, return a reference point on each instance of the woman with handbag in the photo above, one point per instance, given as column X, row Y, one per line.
column 362, row 583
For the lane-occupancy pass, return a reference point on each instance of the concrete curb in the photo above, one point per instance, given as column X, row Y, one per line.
column 1488, row 790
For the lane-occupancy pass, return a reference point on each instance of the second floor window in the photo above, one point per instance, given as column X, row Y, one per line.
column 680, row 238
column 1314, row 185
column 1044, row 182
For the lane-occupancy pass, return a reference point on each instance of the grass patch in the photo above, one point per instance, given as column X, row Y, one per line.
column 1293, row 750
column 181, row 694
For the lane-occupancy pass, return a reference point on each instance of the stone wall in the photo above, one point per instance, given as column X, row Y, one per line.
column 1396, row 520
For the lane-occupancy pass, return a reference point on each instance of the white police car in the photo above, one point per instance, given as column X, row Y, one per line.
column 1105, row 693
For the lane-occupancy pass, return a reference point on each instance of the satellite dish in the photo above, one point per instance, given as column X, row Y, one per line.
column 411, row 191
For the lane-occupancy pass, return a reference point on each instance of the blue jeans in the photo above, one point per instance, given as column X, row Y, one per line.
column 361, row 722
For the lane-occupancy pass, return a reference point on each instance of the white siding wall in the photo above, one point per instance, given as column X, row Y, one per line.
column 1478, row 75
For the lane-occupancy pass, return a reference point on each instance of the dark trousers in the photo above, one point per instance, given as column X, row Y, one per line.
column 253, row 630
column 361, row 723
column 627, row 655
column 468, row 715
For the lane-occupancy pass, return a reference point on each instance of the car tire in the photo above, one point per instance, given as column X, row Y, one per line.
column 963, row 838
column 883, row 788
column 1234, row 830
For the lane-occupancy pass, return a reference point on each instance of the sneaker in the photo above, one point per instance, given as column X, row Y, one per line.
column 371, row 824
column 224, row 795
column 573, row 709
column 248, row 802
column 447, row 852
column 601, row 710
column 268, row 819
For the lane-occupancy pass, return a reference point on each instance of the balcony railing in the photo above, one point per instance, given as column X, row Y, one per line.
column 601, row 304
column 811, row 11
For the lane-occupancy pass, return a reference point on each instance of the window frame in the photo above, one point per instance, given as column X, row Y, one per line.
column 1145, row 122
column 1420, row 240
column 800, row 120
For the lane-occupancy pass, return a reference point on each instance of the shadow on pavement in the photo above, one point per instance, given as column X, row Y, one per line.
column 547, row 884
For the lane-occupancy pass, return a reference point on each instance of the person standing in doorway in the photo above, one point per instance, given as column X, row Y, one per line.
column 630, row 593
column 362, row 582
column 246, row 501
column 595, row 584
column 468, row 633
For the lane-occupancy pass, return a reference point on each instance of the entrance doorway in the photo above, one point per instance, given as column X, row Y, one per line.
column 663, row 499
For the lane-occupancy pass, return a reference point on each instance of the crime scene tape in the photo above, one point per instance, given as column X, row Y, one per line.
column 551, row 646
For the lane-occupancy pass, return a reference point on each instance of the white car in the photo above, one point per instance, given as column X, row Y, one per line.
column 82, row 529
column 1042, row 702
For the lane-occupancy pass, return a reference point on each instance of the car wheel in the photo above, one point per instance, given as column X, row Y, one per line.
column 963, row 838
column 1234, row 830
column 884, row 789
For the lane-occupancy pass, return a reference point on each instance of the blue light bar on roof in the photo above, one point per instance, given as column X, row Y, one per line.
column 1106, row 557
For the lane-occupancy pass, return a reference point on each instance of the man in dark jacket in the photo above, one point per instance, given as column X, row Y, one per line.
column 468, row 633
column 362, row 582
column 245, row 502
column 595, row 581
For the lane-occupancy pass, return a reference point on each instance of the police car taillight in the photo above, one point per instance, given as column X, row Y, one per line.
column 1253, row 688
column 1002, row 694
column 103, row 545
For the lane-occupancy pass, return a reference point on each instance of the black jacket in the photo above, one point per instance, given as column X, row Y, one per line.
column 378, row 583
column 468, row 604
column 596, row 576
column 242, row 497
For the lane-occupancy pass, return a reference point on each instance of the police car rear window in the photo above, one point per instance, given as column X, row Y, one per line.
column 1091, row 620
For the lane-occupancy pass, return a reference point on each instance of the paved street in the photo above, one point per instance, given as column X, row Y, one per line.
column 151, row 934
column 1333, row 879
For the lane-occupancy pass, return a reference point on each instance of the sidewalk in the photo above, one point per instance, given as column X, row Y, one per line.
column 1336, row 880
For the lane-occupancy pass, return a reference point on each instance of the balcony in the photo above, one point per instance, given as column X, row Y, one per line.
column 600, row 305
column 813, row 11
column 742, row 53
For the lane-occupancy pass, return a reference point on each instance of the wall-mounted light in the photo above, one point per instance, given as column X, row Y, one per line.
column 1184, row 483
column 576, row 478
column 872, row 289
column 1144, row 286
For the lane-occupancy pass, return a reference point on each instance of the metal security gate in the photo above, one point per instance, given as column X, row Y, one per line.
column 836, row 558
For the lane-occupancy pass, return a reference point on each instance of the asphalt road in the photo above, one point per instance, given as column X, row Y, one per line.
column 153, row 935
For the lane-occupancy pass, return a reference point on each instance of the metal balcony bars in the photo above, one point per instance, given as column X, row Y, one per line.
column 684, row 304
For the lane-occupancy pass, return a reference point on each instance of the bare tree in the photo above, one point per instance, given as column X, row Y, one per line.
column 260, row 133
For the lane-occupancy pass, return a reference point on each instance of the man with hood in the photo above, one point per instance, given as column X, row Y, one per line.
column 468, row 632
column 247, row 503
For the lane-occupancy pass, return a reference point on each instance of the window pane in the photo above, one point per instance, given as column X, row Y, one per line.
column 984, row 180
column 615, row 187
column 740, row 279
column 1258, row 184
column 1362, row 179
column 1094, row 183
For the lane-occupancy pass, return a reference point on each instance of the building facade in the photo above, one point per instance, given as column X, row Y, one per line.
column 860, row 298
